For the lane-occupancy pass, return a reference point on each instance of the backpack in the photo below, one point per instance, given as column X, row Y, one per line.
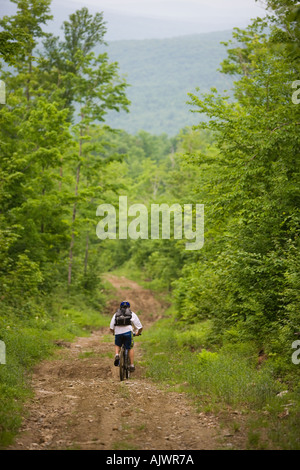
column 123, row 317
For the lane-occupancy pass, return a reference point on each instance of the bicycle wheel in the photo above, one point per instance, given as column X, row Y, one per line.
column 127, row 370
column 122, row 363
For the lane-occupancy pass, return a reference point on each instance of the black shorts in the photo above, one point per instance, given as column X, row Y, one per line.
column 126, row 338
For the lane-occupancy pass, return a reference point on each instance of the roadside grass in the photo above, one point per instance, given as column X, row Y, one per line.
column 29, row 339
column 123, row 444
column 225, row 378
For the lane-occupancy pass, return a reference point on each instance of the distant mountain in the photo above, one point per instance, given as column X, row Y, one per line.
column 161, row 72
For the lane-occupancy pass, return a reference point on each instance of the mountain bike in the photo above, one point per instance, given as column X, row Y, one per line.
column 124, row 363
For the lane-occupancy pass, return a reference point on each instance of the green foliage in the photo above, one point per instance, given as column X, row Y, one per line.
column 45, row 203
column 236, row 299
column 229, row 376
column 11, row 45
column 43, row 207
column 246, row 273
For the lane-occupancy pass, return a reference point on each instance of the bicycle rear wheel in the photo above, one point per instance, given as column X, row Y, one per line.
column 122, row 363
column 127, row 370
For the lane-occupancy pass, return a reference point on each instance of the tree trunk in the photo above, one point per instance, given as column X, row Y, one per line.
column 73, row 220
column 86, row 253
column 60, row 173
column 29, row 78
column 74, row 207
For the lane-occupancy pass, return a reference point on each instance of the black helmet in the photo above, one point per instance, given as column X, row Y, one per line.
column 125, row 304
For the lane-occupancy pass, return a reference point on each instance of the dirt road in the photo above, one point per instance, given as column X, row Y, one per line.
column 80, row 403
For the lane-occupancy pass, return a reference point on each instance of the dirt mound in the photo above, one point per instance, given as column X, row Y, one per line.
column 142, row 301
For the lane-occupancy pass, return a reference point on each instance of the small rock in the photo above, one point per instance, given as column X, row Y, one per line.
column 284, row 414
column 281, row 394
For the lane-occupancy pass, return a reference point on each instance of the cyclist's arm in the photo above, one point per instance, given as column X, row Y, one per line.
column 137, row 324
column 112, row 325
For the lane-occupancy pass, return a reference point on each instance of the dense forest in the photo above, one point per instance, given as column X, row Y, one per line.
column 60, row 160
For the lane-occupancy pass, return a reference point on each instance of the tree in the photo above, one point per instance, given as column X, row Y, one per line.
column 256, row 195
column 65, row 59
column 91, row 86
column 25, row 27
column 34, row 135
column 286, row 20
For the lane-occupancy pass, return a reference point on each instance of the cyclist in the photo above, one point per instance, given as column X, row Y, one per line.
column 125, row 333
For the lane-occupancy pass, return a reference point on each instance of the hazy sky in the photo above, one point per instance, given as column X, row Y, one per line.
column 191, row 10
column 157, row 18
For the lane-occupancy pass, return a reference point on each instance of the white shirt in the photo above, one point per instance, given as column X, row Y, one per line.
column 123, row 329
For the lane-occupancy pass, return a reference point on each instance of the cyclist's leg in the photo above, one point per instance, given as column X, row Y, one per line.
column 118, row 344
column 129, row 346
column 127, row 338
column 131, row 356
